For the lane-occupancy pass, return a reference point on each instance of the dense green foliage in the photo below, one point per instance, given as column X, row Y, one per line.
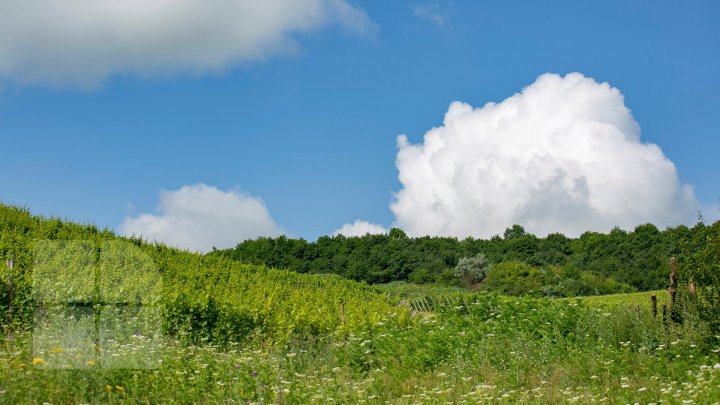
column 203, row 298
column 699, row 266
column 514, row 278
column 594, row 263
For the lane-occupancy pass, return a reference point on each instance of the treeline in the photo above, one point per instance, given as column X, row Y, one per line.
column 594, row 263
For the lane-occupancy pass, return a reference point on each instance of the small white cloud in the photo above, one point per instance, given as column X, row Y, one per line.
column 198, row 217
column 81, row 42
column 563, row 155
column 433, row 13
column 360, row 228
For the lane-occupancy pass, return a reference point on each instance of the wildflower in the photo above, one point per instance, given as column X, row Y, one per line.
column 89, row 363
column 107, row 387
column 119, row 388
column 38, row 360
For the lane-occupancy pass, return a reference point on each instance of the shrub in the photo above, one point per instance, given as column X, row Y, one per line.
column 514, row 278
column 422, row 275
column 472, row 270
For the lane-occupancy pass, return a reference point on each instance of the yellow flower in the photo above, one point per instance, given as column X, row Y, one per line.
column 56, row 350
column 89, row 363
column 107, row 387
column 119, row 388
column 38, row 360
column 79, row 356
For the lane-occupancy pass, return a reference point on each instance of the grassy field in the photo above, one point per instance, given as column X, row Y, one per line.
column 224, row 332
column 641, row 299
column 492, row 349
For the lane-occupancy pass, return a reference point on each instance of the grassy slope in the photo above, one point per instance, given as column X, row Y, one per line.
column 209, row 298
column 641, row 299
column 477, row 348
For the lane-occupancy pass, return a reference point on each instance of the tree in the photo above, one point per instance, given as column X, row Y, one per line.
column 515, row 231
column 472, row 270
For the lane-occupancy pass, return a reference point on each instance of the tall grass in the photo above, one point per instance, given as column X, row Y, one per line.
column 241, row 333
column 493, row 349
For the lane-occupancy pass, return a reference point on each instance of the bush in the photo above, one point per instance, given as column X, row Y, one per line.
column 514, row 278
column 449, row 278
column 422, row 275
column 472, row 270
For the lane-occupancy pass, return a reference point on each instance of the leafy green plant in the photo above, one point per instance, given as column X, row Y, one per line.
column 472, row 270
column 514, row 278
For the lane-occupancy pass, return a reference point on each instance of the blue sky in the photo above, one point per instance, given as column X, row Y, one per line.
column 312, row 130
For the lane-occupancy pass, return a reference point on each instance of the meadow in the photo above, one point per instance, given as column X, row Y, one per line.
column 230, row 332
column 486, row 349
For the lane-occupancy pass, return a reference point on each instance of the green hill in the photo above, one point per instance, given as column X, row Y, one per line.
column 203, row 297
column 88, row 317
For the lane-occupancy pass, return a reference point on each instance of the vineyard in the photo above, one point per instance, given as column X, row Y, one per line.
column 203, row 298
column 189, row 328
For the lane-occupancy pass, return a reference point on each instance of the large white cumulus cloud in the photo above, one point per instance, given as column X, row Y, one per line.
column 80, row 42
column 563, row 155
column 198, row 217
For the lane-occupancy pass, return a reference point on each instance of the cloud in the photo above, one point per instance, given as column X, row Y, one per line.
column 81, row 42
column 199, row 217
column 360, row 228
column 434, row 14
column 563, row 155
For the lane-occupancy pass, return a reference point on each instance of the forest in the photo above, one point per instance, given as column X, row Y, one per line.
column 553, row 266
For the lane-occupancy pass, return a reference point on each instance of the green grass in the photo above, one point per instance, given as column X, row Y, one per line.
column 495, row 349
column 641, row 299
column 403, row 289
column 238, row 333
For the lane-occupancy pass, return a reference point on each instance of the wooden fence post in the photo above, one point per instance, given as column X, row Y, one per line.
column 342, row 313
column 672, row 290
column 10, row 287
